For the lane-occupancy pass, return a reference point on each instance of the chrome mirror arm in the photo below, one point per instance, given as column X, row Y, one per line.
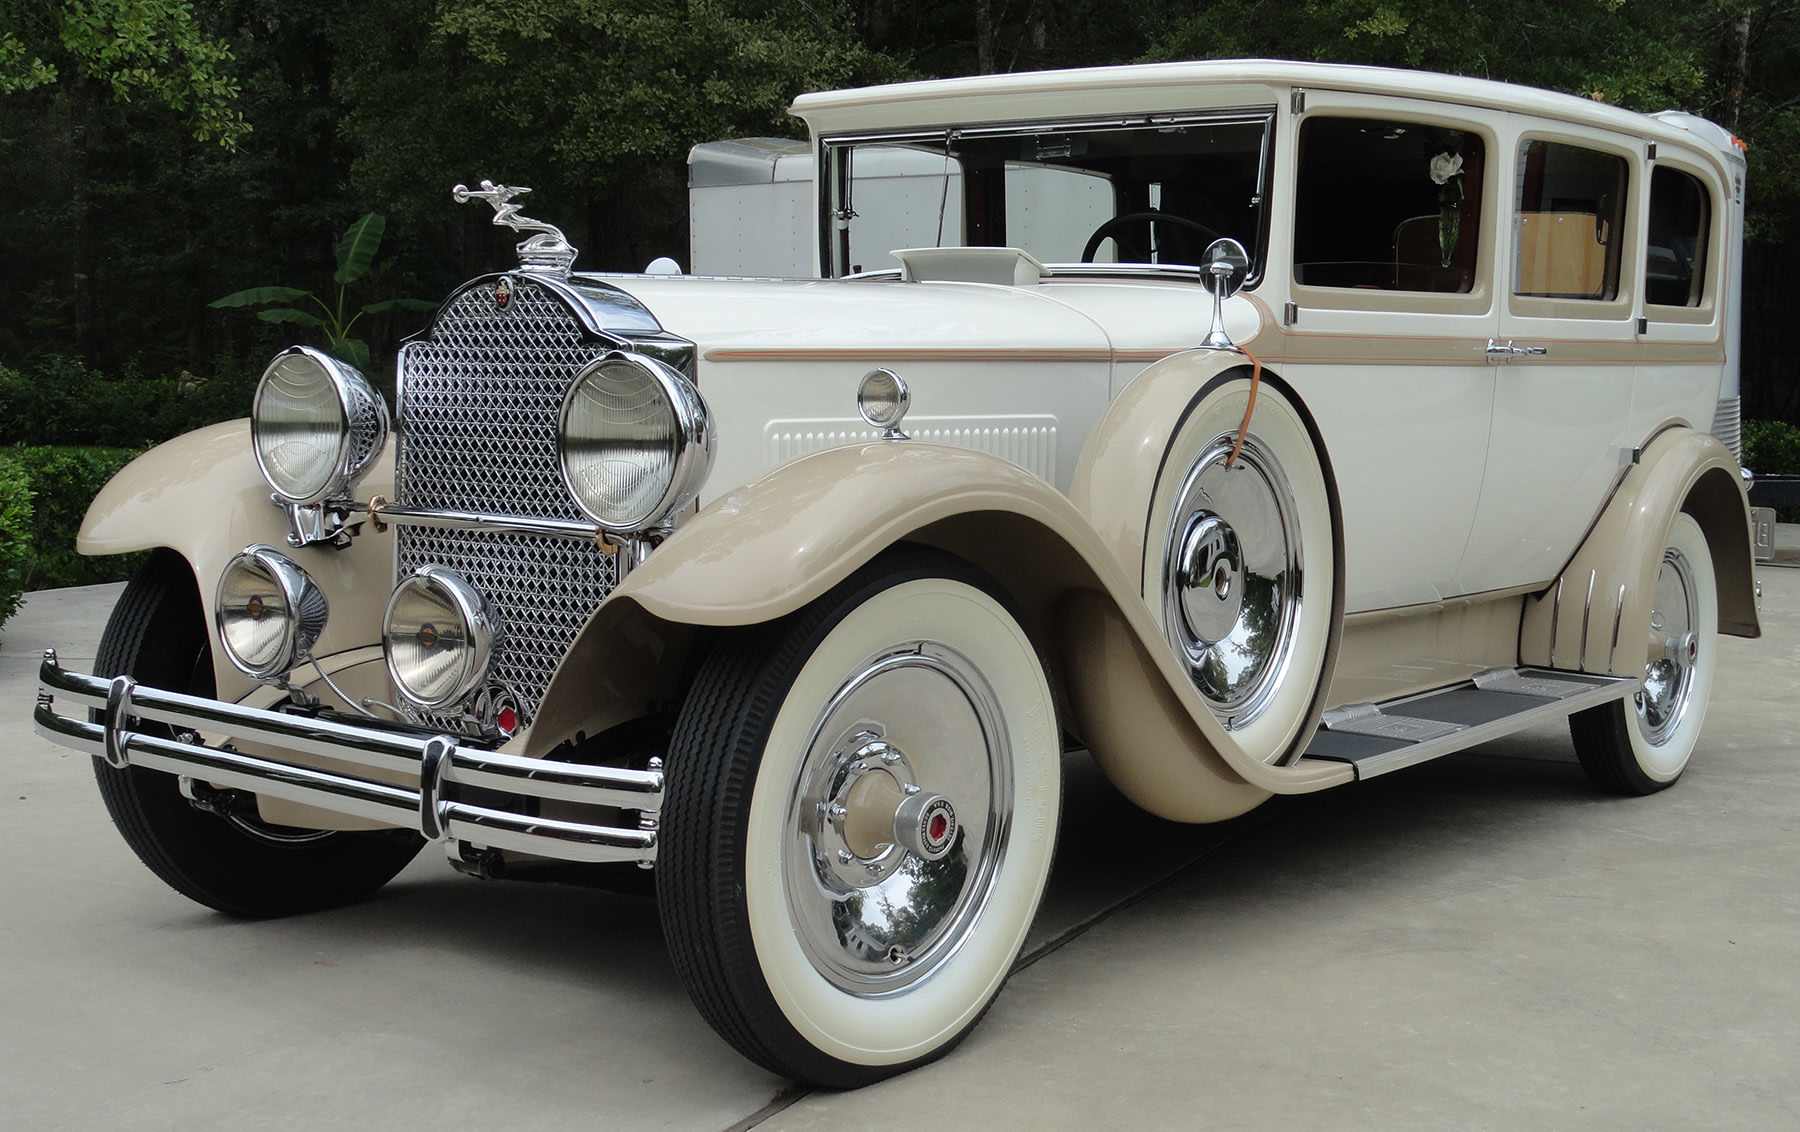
column 1222, row 272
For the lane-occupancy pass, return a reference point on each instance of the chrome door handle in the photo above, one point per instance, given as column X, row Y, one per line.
column 1506, row 351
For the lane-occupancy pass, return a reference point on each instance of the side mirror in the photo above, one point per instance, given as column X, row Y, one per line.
column 1224, row 267
column 1223, row 270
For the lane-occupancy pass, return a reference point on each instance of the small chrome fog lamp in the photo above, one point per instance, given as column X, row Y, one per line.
column 636, row 442
column 269, row 612
column 439, row 636
column 316, row 425
column 883, row 399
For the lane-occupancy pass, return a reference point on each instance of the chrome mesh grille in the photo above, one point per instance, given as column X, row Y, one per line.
column 542, row 588
column 478, row 406
column 479, row 401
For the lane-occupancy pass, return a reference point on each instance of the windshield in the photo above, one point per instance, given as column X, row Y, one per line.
column 1145, row 192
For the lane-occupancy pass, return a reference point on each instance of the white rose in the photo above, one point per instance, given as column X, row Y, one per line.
column 1445, row 166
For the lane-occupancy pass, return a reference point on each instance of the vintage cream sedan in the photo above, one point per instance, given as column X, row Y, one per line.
column 1257, row 427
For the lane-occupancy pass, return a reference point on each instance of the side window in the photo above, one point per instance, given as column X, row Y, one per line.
column 894, row 196
column 1571, row 205
column 1680, row 218
column 1392, row 206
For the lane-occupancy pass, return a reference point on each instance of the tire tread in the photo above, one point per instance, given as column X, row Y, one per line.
column 155, row 631
column 728, row 712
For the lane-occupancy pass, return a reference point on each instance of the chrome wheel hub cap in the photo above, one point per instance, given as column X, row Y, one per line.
column 898, row 825
column 1674, row 650
column 1231, row 578
column 1209, row 578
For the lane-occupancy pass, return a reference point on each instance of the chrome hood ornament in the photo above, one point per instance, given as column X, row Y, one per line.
column 548, row 252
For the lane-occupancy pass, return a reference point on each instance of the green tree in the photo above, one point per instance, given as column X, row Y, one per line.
column 154, row 49
column 1626, row 52
column 149, row 50
column 594, row 103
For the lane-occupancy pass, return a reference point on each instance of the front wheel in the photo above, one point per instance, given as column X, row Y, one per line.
column 228, row 859
column 1642, row 744
column 859, row 817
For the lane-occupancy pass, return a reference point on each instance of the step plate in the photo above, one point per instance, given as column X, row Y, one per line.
column 1378, row 738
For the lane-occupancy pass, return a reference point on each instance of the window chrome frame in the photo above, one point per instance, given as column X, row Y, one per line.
column 829, row 169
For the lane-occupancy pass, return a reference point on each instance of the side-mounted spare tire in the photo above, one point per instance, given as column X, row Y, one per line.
column 1242, row 563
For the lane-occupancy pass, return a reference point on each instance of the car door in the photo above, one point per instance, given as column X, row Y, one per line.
column 1566, row 354
column 1391, row 305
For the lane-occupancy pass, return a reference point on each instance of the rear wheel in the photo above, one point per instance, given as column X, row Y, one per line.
column 1642, row 744
column 860, row 812
column 226, row 857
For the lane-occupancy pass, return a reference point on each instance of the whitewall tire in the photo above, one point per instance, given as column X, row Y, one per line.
column 1641, row 744
column 860, row 815
column 1241, row 564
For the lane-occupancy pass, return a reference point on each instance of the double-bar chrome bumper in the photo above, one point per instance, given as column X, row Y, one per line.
column 440, row 763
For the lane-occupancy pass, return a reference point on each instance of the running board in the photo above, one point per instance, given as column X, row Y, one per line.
column 1378, row 738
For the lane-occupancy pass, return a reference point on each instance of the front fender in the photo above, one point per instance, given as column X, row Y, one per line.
column 202, row 495
column 1582, row 621
column 772, row 546
column 1116, row 476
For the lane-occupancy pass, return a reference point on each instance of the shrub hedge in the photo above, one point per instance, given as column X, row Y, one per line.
column 1772, row 448
column 70, row 428
column 60, row 401
column 44, row 492
column 15, row 536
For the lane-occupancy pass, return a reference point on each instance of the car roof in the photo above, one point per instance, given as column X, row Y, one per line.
column 1163, row 87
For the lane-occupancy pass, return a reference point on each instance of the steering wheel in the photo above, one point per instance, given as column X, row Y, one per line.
column 1154, row 216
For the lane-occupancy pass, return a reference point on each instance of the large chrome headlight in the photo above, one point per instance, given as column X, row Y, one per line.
column 636, row 441
column 269, row 612
column 439, row 636
column 316, row 424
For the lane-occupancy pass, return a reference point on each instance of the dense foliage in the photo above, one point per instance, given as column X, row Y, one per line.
column 166, row 153
column 1772, row 448
column 15, row 536
column 44, row 492
column 182, row 150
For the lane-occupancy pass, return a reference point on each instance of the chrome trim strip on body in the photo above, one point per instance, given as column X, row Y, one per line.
column 427, row 808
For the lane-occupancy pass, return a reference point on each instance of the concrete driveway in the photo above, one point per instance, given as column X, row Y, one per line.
column 1483, row 941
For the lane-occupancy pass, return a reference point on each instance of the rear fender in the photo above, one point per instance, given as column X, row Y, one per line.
column 772, row 546
column 1583, row 621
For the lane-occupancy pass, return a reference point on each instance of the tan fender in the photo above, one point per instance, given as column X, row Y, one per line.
column 1124, row 461
column 1583, row 622
column 1116, row 476
column 775, row 544
column 203, row 496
